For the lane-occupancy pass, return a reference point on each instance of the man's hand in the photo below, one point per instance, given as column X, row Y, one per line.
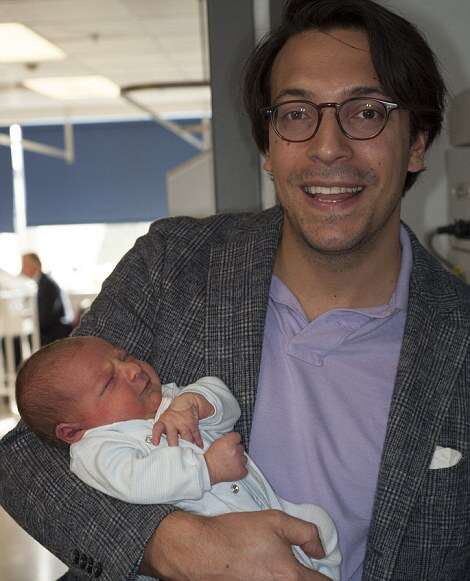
column 182, row 419
column 231, row 547
column 226, row 459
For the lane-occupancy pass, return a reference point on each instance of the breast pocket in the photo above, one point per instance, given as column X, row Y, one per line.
column 437, row 535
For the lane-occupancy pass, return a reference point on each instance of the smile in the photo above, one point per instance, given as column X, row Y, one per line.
column 333, row 190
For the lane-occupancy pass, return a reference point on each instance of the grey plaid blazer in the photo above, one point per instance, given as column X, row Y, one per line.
column 191, row 298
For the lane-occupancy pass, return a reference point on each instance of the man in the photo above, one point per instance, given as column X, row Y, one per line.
column 53, row 319
column 325, row 309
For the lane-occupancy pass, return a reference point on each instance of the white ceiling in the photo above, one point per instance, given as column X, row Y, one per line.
column 128, row 41
column 159, row 41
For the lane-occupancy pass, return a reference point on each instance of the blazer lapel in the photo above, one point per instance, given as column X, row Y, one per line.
column 434, row 346
column 237, row 296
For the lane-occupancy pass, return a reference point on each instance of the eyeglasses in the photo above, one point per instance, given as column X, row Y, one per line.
column 358, row 118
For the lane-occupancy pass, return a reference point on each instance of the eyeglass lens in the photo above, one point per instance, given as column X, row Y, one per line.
column 359, row 119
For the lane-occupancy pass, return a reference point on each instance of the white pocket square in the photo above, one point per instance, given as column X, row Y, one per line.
column 445, row 458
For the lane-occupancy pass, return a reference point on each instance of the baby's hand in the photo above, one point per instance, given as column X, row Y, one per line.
column 226, row 459
column 180, row 419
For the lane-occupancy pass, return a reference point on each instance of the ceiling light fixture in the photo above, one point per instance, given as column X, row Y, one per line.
column 22, row 45
column 74, row 88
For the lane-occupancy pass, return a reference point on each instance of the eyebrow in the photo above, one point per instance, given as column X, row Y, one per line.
column 359, row 91
column 121, row 353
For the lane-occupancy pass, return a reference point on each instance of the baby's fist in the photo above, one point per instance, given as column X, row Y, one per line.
column 226, row 459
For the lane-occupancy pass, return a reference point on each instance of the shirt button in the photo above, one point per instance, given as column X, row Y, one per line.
column 235, row 488
column 148, row 439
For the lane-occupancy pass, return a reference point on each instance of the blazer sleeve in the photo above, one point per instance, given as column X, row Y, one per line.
column 114, row 462
column 36, row 486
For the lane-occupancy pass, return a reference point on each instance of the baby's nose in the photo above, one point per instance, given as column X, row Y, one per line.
column 130, row 370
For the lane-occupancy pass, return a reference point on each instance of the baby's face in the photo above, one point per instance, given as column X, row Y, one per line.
column 111, row 385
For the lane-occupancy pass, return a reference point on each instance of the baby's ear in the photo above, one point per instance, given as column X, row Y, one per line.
column 69, row 433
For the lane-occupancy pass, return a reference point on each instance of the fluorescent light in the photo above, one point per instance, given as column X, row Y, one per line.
column 66, row 88
column 21, row 45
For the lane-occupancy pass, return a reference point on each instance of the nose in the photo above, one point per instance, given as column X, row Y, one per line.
column 329, row 144
column 129, row 370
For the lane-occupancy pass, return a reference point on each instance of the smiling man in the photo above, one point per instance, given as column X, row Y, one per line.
column 339, row 170
column 344, row 341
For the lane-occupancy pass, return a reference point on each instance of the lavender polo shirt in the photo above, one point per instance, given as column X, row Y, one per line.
column 322, row 405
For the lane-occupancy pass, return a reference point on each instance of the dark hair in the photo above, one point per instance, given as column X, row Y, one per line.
column 42, row 397
column 405, row 64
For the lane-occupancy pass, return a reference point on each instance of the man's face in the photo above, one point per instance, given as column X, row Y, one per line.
column 331, row 67
column 111, row 385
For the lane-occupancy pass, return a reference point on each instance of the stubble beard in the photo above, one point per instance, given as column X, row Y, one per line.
column 337, row 255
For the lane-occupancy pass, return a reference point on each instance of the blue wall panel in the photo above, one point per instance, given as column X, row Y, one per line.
column 6, row 191
column 119, row 173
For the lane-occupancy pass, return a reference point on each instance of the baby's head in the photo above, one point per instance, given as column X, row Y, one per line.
column 79, row 383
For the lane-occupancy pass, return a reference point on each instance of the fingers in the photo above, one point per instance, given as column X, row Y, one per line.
column 196, row 438
column 311, row 549
column 191, row 434
column 233, row 438
column 157, row 431
column 161, row 428
column 176, row 423
column 237, row 450
column 302, row 533
column 172, row 436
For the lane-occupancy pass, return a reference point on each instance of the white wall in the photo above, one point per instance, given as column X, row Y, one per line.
column 446, row 26
column 79, row 257
column 190, row 187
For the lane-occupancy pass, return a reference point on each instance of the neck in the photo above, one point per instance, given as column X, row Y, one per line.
column 364, row 277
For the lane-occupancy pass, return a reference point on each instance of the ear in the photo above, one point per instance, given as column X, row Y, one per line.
column 69, row 433
column 417, row 149
column 267, row 163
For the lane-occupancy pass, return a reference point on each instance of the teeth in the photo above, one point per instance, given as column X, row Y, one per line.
column 333, row 190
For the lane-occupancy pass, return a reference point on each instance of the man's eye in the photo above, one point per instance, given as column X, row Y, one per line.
column 296, row 115
column 369, row 114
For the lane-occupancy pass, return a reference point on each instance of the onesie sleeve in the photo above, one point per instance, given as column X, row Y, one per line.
column 132, row 471
column 227, row 409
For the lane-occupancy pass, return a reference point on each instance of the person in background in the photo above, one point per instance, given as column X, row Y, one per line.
column 346, row 344
column 54, row 311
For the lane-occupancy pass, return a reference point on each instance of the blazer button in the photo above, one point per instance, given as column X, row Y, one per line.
column 97, row 569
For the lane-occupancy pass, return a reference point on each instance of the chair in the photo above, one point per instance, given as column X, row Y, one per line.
column 18, row 323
